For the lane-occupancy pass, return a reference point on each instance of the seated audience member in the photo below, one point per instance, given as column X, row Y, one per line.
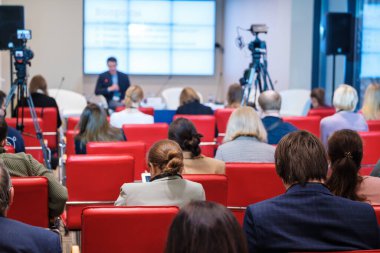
column 166, row 186
column 234, row 96
column 308, row 217
column 345, row 151
column 93, row 126
column 24, row 165
column 189, row 103
column 245, row 139
column 371, row 103
column 345, row 101
column 270, row 103
column 17, row 236
column 185, row 134
column 317, row 97
column 14, row 137
column 131, row 114
column 205, row 227
column 40, row 97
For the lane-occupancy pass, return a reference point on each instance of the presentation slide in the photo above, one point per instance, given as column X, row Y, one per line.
column 159, row 37
column 370, row 66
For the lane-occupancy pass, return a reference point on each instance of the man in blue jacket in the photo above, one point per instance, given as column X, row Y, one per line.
column 308, row 217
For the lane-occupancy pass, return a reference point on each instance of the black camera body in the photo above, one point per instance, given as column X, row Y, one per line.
column 22, row 55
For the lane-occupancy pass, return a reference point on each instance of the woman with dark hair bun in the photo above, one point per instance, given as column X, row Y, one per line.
column 205, row 227
column 185, row 134
column 345, row 151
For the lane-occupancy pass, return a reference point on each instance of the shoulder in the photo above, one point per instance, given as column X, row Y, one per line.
column 327, row 120
column 121, row 74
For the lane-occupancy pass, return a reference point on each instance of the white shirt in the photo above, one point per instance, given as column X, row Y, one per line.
column 130, row 116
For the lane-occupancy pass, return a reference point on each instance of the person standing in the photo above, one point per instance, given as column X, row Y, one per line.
column 112, row 84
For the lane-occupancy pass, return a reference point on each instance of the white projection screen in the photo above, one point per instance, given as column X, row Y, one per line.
column 159, row 37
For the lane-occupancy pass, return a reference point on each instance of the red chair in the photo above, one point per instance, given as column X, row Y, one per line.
column 147, row 133
column 371, row 147
column 373, row 125
column 308, row 123
column 250, row 183
column 134, row 148
column 94, row 180
column 72, row 122
column 215, row 186
column 30, row 202
column 126, row 229
column 70, row 142
column 222, row 116
column 377, row 211
column 365, row 170
column 322, row 112
column 9, row 149
column 205, row 125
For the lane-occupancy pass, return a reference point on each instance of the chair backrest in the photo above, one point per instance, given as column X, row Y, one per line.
column 322, row 112
column 373, row 125
column 147, row 133
column 377, row 212
column 70, row 103
column 222, row 116
column 308, row 123
column 215, row 186
column 94, row 180
column 137, row 149
column 126, row 229
column 171, row 97
column 72, row 122
column 295, row 102
column 70, row 142
column 205, row 125
column 9, row 149
column 30, row 202
column 371, row 147
column 366, row 170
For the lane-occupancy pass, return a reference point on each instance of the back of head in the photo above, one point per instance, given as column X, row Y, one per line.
column 188, row 95
column 5, row 186
column 133, row 96
column 38, row 82
column 234, row 95
column 345, row 151
column 185, row 134
column 244, row 121
column 345, row 98
column 371, row 103
column 270, row 100
column 2, row 97
column 205, row 227
column 319, row 95
column 3, row 129
column 166, row 155
column 300, row 157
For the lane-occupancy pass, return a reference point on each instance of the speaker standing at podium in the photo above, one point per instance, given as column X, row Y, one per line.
column 112, row 84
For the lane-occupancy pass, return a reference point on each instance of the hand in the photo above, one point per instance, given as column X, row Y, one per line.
column 113, row 87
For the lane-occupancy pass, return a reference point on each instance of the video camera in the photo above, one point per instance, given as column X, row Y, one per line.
column 21, row 54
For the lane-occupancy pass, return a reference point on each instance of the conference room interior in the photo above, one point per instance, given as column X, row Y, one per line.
column 309, row 44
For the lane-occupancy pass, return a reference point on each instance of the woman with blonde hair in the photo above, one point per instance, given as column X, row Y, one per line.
column 345, row 101
column 131, row 114
column 245, row 139
column 93, row 126
column 166, row 186
column 371, row 104
column 189, row 103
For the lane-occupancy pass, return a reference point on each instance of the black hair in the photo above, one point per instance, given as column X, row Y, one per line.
column 111, row 59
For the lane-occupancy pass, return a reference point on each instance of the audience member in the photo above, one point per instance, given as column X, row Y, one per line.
column 131, row 114
column 308, row 217
column 93, row 126
column 245, row 139
column 24, row 165
column 166, row 186
column 185, row 134
column 317, row 97
column 189, row 103
column 234, row 96
column 204, row 226
column 345, row 150
column 14, row 137
column 17, row 236
column 112, row 84
column 270, row 103
column 345, row 100
column 371, row 103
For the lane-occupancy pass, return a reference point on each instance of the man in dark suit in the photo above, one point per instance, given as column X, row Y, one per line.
column 17, row 236
column 308, row 217
column 112, row 84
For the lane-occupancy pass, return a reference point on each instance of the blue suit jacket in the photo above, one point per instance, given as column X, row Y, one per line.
column 276, row 128
column 310, row 218
column 17, row 237
column 105, row 80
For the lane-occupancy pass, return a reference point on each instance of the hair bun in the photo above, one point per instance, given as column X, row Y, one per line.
column 174, row 162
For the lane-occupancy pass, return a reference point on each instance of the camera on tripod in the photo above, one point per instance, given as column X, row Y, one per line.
column 21, row 54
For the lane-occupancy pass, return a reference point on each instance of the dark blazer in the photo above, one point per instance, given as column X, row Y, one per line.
column 105, row 81
column 276, row 128
column 194, row 108
column 19, row 237
column 310, row 218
